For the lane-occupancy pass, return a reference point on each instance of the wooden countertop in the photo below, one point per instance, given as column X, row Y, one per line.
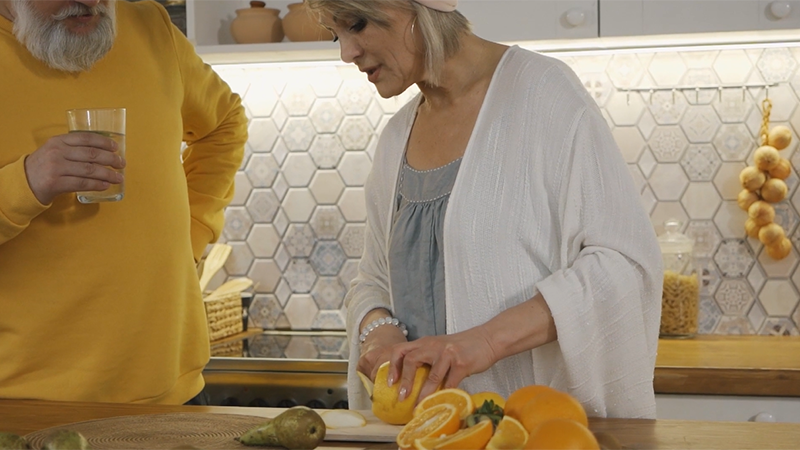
column 729, row 365
column 26, row 416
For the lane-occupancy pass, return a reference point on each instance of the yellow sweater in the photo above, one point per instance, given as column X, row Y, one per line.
column 100, row 302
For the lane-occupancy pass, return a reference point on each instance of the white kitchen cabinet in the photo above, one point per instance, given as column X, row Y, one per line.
column 728, row 408
column 648, row 17
column 208, row 22
column 524, row 20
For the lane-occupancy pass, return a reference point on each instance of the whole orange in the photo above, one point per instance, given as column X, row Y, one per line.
column 517, row 400
column 561, row 434
column 552, row 405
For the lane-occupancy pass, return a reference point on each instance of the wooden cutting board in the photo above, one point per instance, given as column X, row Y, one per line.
column 197, row 430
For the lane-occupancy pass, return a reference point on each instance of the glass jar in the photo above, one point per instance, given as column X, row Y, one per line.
column 680, row 298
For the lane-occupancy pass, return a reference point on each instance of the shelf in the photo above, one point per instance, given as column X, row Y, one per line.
column 265, row 53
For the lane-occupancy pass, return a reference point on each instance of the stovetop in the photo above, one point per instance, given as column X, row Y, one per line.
column 299, row 345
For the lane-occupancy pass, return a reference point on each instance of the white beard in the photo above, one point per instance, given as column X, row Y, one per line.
column 51, row 42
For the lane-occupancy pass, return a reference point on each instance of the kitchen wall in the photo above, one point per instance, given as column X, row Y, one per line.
column 297, row 221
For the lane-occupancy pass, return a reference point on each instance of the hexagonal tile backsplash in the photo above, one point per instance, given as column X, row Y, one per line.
column 297, row 219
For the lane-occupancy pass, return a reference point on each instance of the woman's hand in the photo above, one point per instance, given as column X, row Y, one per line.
column 451, row 357
column 377, row 349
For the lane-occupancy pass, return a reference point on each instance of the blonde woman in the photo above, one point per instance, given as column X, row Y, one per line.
column 505, row 244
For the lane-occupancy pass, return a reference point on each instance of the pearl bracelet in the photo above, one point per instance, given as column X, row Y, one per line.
column 378, row 322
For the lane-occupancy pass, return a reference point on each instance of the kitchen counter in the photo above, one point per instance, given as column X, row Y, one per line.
column 26, row 416
column 729, row 365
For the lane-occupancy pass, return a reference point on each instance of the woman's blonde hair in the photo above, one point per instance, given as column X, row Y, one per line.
column 441, row 31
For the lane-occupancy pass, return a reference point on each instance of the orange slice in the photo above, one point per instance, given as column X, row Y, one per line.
column 562, row 434
column 454, row 396
column 472, row 438
column 435, row 421
column 510, row 434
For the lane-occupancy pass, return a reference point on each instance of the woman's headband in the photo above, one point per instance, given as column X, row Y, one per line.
column 439, row 5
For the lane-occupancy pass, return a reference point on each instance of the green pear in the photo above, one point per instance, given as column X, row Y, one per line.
column 296, row 428
column 11, row 441
column 66, row 440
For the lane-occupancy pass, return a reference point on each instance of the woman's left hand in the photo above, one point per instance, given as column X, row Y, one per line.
column 452, row 358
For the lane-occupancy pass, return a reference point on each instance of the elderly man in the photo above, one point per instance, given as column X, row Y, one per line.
column 101, row 302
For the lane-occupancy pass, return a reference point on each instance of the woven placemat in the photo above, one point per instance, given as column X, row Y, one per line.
column 159, row 431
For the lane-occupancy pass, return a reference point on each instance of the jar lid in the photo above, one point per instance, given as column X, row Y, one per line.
column 672, row 240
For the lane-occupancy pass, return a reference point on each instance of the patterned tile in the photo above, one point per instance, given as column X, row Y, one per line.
column 667, row 107
column 776, row 65
column 264, row 311
column 327, row 222
column 297, row 98
column 240, row 259
column 734, row 258
column 733, row 142
column 355, row 133
column 263, row 204
column 700, row 123
column 706, row 237
column 326, row 115
column 349, row 272
column 352, row 239
column 328, row 293
column 327, row 257
column 625, row 70
column 598, row 85
column 329, row 320
column 783, row 101
column 708, row 315
column 300, row 275
column 264, row 346
column 732, row 107
column 668, row 144
column 701, row 78
column 700, row 162
column 299, row 240
column 262, row 170
column 625, row 108
column 298, row 133
column 237, row 223
column 242, row 189
column 355, row 96
column 734, row 297
column 326, row 150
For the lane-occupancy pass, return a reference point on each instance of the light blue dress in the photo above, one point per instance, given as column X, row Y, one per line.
column 416, row 251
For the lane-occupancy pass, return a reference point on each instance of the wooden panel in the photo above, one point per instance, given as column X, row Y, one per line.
column 729, row 365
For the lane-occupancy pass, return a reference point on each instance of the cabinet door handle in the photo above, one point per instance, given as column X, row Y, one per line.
column 575, row 17
column 780, row 9
column 763, row 416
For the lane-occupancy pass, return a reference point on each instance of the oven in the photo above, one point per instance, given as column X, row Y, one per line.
column 282, row 369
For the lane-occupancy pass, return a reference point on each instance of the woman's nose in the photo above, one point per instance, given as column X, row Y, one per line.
column 350, row 50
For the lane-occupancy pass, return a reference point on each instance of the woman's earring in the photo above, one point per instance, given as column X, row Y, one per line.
column 412, row 25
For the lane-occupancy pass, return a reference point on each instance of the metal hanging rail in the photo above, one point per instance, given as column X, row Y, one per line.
column 719, row 88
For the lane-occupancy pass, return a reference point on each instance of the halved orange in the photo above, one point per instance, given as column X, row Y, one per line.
column 510, row 434
column 385, row 405
column 472, row 438
column 453, row 396
column 517, row 400
column 435, row 421
column 562, row 434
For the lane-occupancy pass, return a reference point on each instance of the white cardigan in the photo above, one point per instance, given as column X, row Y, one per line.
column 544, row 203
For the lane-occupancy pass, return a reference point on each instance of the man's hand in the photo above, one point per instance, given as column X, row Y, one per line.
column 73, row 162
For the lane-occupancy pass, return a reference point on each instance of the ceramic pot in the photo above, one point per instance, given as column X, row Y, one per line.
column 302, row 26
column 257, row 24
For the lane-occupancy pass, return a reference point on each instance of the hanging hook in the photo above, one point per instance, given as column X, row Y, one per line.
column 673, row 96
column 651, row 96
column 744, row 93
column 697, row 95
column 628, row 97
column 720, row 93
column 766, row 92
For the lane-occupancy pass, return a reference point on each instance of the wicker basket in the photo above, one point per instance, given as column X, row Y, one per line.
column 235, row 348
column 224, row 314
